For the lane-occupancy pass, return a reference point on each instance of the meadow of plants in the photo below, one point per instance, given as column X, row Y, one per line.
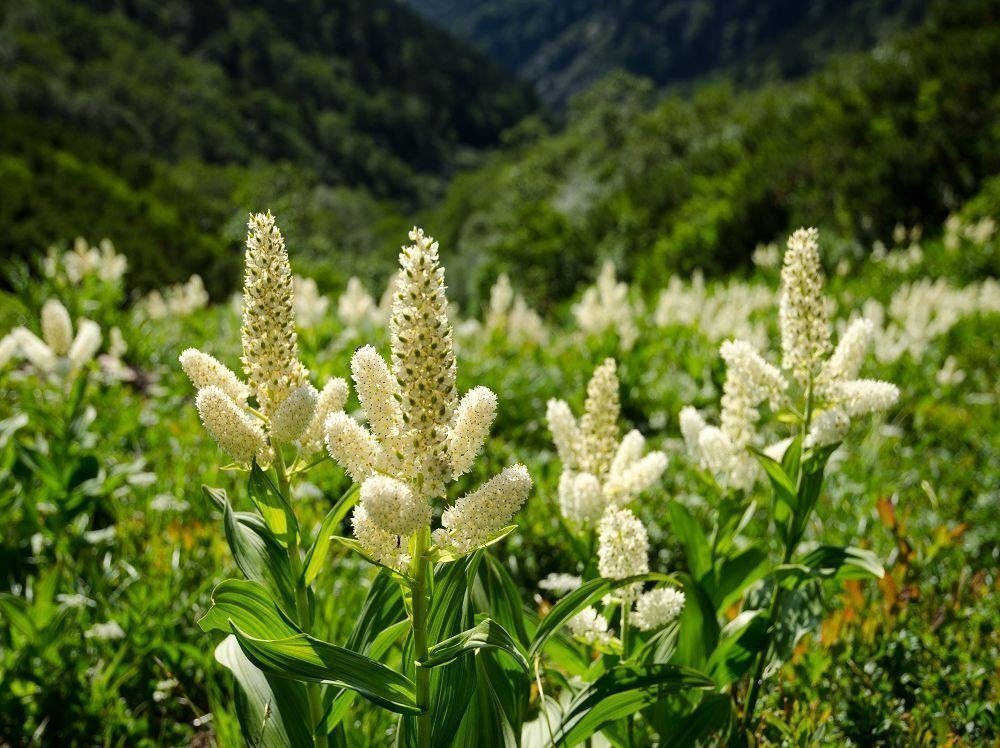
column 760, row 510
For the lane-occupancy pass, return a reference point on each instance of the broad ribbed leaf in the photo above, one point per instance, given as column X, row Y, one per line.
column 273, row 507
column 355, row 546
column 699, row 628
column 339, row 701
column 249, row 605
column 712, row 716
column 689, row 532
column 317, row 554
column 735, row 574
column 273, row 712
column 833, row 562
column 260, row 557
column 584, row 595
column 496, row 593
column 623, row 691
column 740, row 641
column 303, row 657
column 488, row 634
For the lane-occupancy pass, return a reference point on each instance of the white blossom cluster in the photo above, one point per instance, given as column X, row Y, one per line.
column 657, row 607
column 830, row 382
column 310, row 305
column 600, row 467
column 924, row 310
column 420, row 437
column 84, row 261
column 178, row 300
column 287, row 409
column 591, row 628
column 356, row 308
column 606, row 306
column 978, row 232
column 510, row 316
column 725, row 311
column 58, row 351
column 559, row 583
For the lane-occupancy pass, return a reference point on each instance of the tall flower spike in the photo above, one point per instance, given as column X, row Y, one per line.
column 351, row 445
column 57, row 329
column 580, row 497
column 86, row 343
column 423, row 361
column 204, row 370
column 34, row 349
column 623, row 545
column 803, row 316
column 599, row 425
column 379, row 395
column 232, row 428
column 391, row 505
column 293, row 416
column 270, row 345
column 332, row 398
column 380, row 544
column 478, row 516
column 473, row 421
column 845, row 363
column 565, row 431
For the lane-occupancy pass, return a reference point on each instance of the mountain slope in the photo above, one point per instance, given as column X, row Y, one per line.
column 905, row 133
column 143, row 120
column 563, row 46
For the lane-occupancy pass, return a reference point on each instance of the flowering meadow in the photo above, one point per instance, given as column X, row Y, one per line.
column 758, row 510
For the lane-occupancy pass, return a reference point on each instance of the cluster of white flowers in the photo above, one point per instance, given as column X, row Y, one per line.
column 58, row 351
column 84, row 261
column 723, row 450
column 600, row 468
column 288, row 409
column 901, row 259
column 725, row 311
column 924, row 310
column 420, row 435
column 178, row 300
column 836, row 394
column 356, row 308
column 310, row 305
column 766, row 255
column 510, row 316
column 622, row 545
column 591, row 628
column 606, row 306
column 559, row 583
column 658, row 607
column 979, row 232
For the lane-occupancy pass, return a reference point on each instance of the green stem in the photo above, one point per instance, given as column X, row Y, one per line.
column 302, row 612
column 422, row 679
column 626, row 609
column 778, row 594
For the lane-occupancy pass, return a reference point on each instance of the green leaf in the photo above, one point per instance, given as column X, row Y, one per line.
column 699, row 628
column 833, row 562
column 278, row 647
column 713, row 715
column 251, row 606
column 318, row 551
column 621, row 692
column 273, row 712
column 696, row 547
column 273, row 507
column 740, row 641
column 488, row 634
column 260, row 556
column 496, row 592
column 584, row 595
column 303, row 657
column 340, row 701
column 735, row 574
column 781, row 482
